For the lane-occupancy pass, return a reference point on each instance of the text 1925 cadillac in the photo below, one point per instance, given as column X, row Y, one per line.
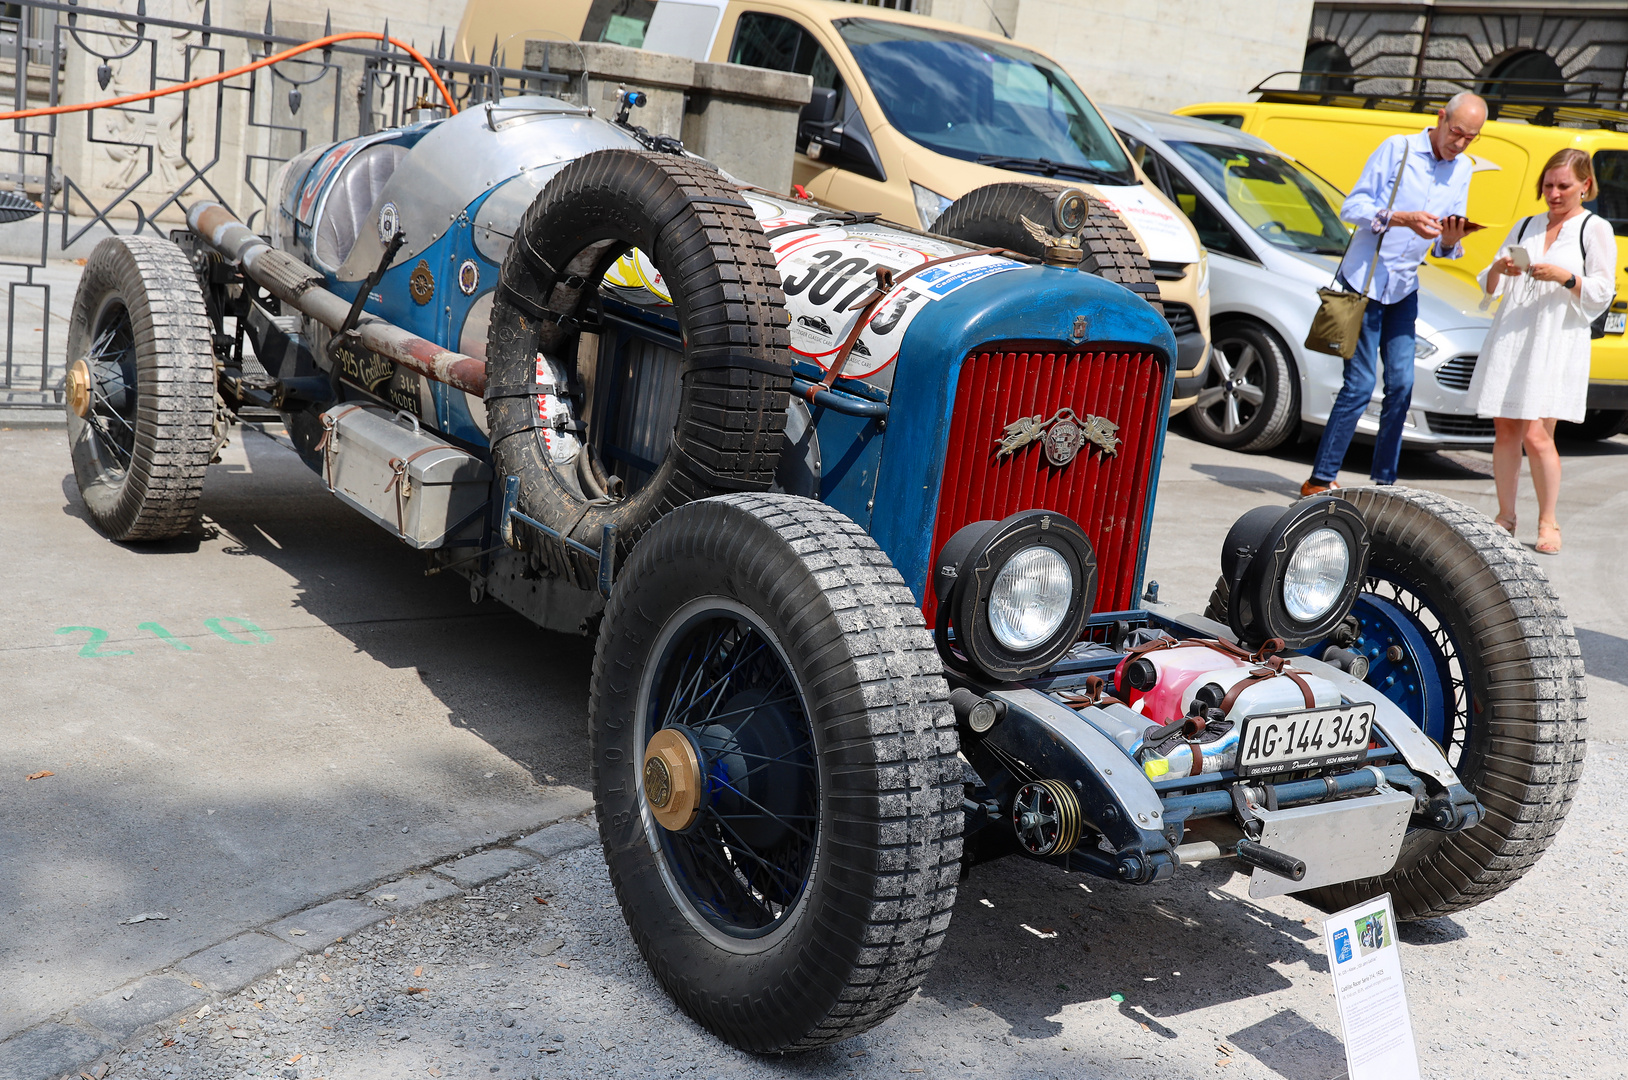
column 859, row 515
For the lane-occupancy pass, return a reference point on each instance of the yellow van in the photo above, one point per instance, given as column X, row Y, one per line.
column 909, row 114
column 1334, row 140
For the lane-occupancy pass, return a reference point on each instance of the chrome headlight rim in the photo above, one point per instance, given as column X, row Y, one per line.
column 1257, row 559
column 964, row 579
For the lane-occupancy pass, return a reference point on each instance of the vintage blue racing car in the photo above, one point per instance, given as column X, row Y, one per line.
column 859, row 516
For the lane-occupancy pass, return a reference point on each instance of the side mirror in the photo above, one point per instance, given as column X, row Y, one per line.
column 818, row 118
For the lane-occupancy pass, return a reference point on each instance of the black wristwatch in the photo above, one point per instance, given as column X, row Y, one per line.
column 1571, row 283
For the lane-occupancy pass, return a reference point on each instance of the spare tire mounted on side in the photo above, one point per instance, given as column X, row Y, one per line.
column 726, row 294
column 989, row 216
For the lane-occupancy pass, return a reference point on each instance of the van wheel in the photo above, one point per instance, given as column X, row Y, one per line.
column 1251, row 398
column 1597, row 424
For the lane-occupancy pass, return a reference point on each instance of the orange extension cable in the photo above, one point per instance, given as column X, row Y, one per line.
column 265, row 61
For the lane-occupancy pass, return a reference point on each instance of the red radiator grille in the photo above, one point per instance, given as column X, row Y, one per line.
column 1105, row 495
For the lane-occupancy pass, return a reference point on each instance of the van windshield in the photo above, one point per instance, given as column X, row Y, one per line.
column 1288, row 206
column 985, row 101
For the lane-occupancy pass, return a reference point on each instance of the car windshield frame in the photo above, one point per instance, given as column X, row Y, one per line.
column 1023, row 108
column 1312, row 200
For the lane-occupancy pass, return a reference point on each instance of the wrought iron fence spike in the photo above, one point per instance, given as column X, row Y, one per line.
column 494, row 51
column 385, row 43
column 206, row 23
column 268, row 29
column 327, row 31
column 441, row 48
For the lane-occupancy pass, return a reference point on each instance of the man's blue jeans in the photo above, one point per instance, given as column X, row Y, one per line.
column 1387, row 331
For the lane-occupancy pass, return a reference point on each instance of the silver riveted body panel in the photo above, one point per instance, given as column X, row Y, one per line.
column 467, row 155
column 405, row 479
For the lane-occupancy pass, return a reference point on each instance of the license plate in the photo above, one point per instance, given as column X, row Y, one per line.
column 1616, row 322
column 1310, row 739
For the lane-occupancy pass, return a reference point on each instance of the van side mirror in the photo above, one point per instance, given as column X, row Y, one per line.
column 818, row 118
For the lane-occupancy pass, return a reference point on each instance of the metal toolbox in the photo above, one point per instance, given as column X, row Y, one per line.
column 408, row 481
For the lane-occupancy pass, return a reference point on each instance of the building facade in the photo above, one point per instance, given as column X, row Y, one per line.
column 1580, row 46
column 1151, row 54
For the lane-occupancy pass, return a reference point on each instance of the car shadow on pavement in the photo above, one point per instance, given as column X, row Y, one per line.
column 522, row 690
column 1029, row 943
column 1605, row 656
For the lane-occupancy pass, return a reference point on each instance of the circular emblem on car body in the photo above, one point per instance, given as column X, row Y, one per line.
column 389, row 222
column 1063, row 439
column 422, row 283
column 468, row 277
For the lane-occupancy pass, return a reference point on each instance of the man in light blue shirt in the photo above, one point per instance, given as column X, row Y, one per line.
column 1426, row 219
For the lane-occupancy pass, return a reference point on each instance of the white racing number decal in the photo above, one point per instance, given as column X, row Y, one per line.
column 827, row 272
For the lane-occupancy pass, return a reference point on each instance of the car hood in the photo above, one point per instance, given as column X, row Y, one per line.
column 1446, row 301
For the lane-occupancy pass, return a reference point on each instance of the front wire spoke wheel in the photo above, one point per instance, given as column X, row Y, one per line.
column 775, row 771
column 745, row 861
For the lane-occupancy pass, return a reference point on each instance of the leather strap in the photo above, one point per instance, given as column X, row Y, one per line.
column 1274, row 668
column 886, row 280
column 325, row 444
column 401, row 483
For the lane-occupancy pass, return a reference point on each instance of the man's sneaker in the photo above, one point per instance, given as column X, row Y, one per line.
column 1315, row 486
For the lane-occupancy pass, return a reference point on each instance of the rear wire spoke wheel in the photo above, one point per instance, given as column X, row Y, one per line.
column 1250, row 400
column 775, row 771
column 140, row 389
column 1466, row 635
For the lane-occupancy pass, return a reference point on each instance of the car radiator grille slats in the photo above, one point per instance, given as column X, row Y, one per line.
column 1457, row 373
column 1105, row 494
column 1463, row 427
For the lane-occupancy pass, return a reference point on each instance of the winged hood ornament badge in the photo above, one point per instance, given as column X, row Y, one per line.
column 1062, row 436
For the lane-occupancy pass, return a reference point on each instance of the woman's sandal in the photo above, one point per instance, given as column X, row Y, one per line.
column 1548, row 539
column 1506, row 523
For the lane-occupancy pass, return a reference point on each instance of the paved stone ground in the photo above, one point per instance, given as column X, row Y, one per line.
column 491, row 983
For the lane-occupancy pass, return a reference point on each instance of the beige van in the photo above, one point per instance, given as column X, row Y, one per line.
column 909, row 114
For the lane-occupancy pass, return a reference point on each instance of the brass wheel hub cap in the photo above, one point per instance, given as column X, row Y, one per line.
column 78, row 387
column 672, row 779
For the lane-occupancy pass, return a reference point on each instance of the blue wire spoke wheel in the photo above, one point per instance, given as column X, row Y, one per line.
column 1465, row 634
column 775, row 771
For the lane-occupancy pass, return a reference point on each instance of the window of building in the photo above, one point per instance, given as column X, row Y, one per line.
column 1327, row 68
column 1529, row 73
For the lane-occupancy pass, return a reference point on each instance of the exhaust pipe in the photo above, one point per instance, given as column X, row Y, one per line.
column 301, row 288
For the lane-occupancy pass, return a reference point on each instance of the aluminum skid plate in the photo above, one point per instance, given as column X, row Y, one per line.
column 1338, row 841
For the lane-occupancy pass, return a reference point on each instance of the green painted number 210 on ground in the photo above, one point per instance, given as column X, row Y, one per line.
column 241, row 632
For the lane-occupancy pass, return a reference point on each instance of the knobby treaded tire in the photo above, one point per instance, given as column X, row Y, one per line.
column 726, row 292
column 1278, row 415
column 988, row 216
column 1529, row 730
column 877, row 906
column 156, row 496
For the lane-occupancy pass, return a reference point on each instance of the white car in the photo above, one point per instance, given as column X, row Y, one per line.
column 1274, row 237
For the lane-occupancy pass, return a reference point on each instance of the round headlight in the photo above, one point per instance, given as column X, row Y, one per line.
column 1012, row 596
column 1294, row 573
column 1315, row 579
column 1031, row 596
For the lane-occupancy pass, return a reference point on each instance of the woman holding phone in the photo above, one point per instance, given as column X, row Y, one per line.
column 1556, row 277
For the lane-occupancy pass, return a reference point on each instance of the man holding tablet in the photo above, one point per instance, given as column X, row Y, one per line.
column 1432, row 181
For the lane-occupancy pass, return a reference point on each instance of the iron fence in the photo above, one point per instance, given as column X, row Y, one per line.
column 67, row 180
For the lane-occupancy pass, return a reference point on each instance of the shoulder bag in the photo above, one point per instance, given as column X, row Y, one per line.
column 1338, row 322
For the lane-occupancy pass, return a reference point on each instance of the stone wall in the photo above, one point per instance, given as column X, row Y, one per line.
column 1152, row 54
column 742, row 119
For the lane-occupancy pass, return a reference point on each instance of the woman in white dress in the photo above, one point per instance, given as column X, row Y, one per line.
column 1534, row 364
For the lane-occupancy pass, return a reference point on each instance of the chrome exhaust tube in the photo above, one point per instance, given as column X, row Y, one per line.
column 301, row 288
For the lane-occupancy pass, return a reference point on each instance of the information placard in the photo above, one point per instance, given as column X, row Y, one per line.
column 1366, row 963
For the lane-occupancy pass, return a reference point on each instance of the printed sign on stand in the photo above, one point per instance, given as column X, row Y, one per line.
column 1366, row 963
